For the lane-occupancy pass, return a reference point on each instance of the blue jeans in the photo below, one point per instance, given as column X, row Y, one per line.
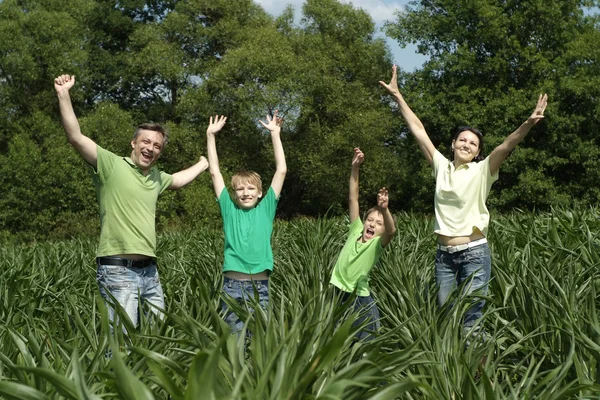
column 129, row 285
column 242, row 292
column 368, row 314
column 470, row 268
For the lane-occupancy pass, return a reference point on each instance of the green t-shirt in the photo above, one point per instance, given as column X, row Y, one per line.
column 356, row 260
column 248, row 234
column 127, row 200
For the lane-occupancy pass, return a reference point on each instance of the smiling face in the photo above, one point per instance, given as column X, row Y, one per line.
column 465, row 147
column 373, row 226
column 246, row 194
column 147, row 147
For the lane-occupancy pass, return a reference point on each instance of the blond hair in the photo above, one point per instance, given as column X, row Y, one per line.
column 250, row 177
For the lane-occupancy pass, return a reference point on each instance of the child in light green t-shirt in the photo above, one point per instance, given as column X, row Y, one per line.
column 361, row 252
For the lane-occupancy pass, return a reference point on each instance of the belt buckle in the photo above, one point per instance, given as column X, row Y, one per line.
column 457, row 248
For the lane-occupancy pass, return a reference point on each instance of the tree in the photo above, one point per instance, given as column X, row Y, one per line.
column 488, row 62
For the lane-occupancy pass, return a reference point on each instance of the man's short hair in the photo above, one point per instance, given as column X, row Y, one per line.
column 152, row 126
column 250, row 177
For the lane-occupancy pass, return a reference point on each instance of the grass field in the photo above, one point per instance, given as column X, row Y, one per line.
column 541, row 316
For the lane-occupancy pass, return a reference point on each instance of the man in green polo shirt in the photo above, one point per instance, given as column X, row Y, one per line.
column 127, row 189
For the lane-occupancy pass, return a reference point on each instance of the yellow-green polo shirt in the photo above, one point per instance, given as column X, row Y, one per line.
column 460, row 195
column 127, row 200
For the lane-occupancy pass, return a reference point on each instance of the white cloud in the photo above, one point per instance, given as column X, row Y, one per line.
column 379, row 10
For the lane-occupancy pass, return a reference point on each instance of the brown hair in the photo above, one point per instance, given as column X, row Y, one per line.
column 372, row 209
column 247, row 176
column 151, row 126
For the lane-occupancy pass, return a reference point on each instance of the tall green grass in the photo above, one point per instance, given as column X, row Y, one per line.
column 541, row 320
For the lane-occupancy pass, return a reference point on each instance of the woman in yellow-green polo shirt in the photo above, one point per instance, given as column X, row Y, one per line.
column 462, row 186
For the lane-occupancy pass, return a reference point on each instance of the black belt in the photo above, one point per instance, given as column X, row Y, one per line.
column 124, row 262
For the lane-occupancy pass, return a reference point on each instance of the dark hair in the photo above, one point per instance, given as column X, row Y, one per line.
column 152, row 126
column 479, row 135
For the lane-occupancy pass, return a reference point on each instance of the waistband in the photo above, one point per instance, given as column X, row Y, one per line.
column 246, row 281
column 461, row 247
column 125, row 262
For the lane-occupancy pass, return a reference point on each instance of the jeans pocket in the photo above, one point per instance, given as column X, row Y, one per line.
column 113, row 277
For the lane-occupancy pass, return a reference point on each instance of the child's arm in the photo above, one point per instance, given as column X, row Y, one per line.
column 353, row 206
column 388, row 220
column 274, row 126
column 213, row 160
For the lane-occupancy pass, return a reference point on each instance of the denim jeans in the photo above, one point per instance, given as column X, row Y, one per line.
column 129, row 285
column 367, row 313
column 470, row 268
column 242, row 292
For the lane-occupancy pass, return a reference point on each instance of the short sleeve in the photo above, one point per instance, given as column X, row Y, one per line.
column 438, row 161
column 269, row 203
column 487, row 171
column 165, row 181
column 225, row 202
column 104, row 165
column 356, row 227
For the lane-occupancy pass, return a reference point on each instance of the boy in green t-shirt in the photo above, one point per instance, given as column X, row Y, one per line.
column 361, row 252
column 247, row 224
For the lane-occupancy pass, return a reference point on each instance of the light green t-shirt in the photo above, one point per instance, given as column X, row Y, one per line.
column 127, row 201
column 248, row 234
column 355, row 261
column 460, row 196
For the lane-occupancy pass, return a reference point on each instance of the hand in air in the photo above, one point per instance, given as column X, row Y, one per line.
column 392, row 87
column 273, row 124
column 358, row 157
column 538, row 113
column 64, row 82
column 216, row 125
column 383, row 198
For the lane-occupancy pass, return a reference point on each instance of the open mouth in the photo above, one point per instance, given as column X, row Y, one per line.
column 146, row 157
column 369, row 233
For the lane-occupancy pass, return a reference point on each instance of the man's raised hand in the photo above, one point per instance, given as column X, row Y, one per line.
column 64, row 82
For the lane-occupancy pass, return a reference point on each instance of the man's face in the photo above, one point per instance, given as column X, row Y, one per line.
column 146, row 149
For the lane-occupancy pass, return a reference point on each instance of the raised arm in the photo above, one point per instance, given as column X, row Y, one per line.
column 353, row 206
column 183, row 177
column 501, row 152
column 82, row 144
column 274, row 126
column 414, row 123
column 213, row 160
column 388, row 219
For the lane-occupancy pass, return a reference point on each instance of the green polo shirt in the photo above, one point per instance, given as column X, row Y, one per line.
column 460, row 195
column 351, row 270
column 248, row 234
column 127, row 200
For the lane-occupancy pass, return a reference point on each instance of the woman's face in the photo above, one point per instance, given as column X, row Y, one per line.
column 465, row 147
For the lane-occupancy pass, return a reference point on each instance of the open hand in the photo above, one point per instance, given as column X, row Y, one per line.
column 215, row 125
column 392, row 87
column 538, row 113
column 383, row 198
column 273, row 124
column 64, row 82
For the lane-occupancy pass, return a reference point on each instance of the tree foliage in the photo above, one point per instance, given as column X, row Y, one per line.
column 178, row 62
column 489, row 60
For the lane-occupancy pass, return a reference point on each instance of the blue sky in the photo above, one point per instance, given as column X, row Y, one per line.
column 380, row 11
